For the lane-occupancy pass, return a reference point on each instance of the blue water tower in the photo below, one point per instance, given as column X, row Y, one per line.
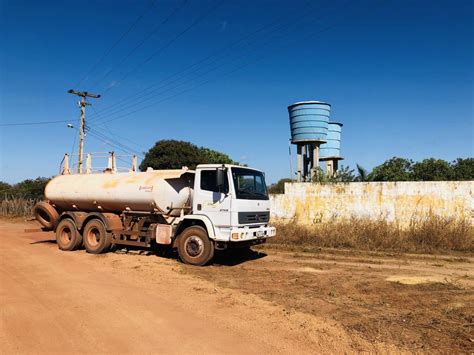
column 309, row 123
column 332, row 147
column 330, row 152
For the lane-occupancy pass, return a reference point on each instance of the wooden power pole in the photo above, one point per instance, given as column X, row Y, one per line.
column 82, row 126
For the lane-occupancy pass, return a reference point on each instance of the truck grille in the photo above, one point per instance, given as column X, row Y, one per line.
column 254, row 217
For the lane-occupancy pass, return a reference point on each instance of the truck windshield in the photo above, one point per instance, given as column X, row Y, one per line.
column 249, row 184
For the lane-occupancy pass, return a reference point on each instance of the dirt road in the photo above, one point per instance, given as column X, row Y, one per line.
column 266, row 302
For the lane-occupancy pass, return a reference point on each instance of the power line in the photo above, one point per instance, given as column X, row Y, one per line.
column 112, row 145
column 199, row 84
column 109, row 141
column 169, row 43
column 213, row 54
column 206, row 81
column 103, row 131
column 217, row 54
column 74, row 140
column 147, row 37
column 107, row 52
column 33, row 123
column 114, row 142
column 116, row 134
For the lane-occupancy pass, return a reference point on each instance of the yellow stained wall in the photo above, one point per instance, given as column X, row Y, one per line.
column 310, row 203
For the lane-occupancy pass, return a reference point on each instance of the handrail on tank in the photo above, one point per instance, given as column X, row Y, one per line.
column 65, row 168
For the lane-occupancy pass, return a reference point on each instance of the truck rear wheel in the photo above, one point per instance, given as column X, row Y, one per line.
column 96, row 238
column 68, row 237
column 195, row 247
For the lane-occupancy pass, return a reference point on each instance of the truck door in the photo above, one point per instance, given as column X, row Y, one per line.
column 209, row 201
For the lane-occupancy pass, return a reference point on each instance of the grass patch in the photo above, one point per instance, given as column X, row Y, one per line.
column 426, row 234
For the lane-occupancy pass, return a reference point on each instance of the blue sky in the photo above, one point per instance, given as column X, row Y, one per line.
column 399, row 75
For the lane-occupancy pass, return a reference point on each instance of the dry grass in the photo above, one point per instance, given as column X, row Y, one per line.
column 15, row 207
column 425, row 234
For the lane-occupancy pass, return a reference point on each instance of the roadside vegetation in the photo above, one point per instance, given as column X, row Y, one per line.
column 19, row 199
column 396, row 169
column 426, row 234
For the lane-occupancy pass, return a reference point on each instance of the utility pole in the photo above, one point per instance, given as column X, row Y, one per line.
column 82, row 105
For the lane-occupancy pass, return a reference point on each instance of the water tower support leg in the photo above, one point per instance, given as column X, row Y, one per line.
column 329, row 168
column 335, row 166
column 305, row 162
column 314, row 160
column 299, row 162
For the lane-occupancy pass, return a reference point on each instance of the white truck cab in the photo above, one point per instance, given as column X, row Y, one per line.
column 234, row 200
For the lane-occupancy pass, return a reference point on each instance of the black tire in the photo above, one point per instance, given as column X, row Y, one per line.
column 68, row 237
column 46, row 215
column 96, row 238
column 195, row 247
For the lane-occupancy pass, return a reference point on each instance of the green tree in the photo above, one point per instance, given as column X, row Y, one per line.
column 4, row 186
column 362, row 174
column 395, row 169
column 462, row 169
column 211, row 156
column 5, row 190
column 431, row 170
column 29, row 189
column 172, row 154
column 344, row 174
column 33, row 189
column 279, row 187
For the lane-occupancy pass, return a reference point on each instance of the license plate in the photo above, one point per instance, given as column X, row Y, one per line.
column 260, row 234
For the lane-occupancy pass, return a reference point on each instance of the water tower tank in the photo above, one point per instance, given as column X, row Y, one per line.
column 309, row 121
column 332, row 149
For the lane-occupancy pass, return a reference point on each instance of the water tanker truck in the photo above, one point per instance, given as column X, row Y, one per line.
column 213, row 207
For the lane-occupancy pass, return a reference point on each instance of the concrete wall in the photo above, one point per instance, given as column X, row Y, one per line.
column 310, row 203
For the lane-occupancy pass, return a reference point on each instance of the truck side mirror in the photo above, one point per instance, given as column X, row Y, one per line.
column 220, row 178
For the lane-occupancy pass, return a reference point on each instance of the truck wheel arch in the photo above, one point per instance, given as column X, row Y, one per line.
column 199, row 220
column 111, row 221
column 77, row 217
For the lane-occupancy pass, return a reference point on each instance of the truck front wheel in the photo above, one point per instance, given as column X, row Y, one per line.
column 195, row 247
column 68, row 237
column 96, row 238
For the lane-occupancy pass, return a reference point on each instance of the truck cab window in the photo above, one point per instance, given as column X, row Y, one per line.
column 249, row 184
column 208, row 181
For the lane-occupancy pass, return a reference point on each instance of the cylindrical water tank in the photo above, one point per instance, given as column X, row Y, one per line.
column 332, row 148
column 156, row 190
column 309, row 121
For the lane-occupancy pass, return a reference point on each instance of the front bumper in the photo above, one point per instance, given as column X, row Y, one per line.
column 245, row 233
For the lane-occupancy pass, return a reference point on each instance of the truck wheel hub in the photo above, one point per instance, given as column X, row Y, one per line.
column 93, row 237
column 194, row 246
column 66, row 236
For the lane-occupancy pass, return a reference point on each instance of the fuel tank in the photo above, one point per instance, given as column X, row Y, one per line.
column 152, row 191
